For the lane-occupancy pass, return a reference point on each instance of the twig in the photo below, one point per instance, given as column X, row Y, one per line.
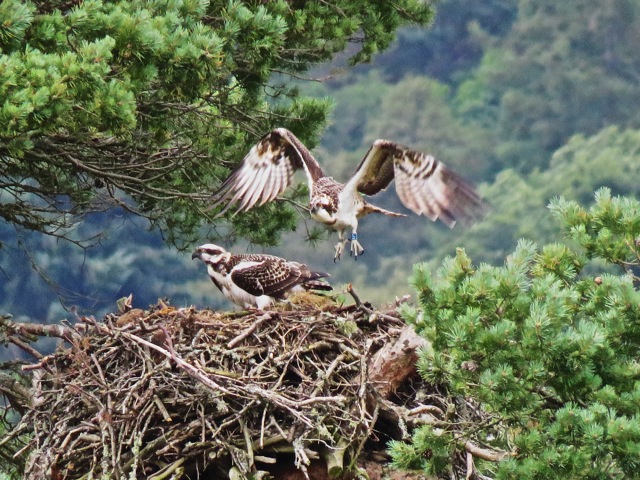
column 431, row 409
column 37, row 366
column 360, row 305
column 327, row 375
column 193, row 371
column 26, row 347
column 355, row 296
column 162, row 408
column 168, row 470
column 247, row 441
column 39, row 329
column 248, row 331
column 470, row 466
column 485, row 453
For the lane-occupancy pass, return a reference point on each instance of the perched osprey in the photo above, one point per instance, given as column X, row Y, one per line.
column 423, row 185
column 253, row 280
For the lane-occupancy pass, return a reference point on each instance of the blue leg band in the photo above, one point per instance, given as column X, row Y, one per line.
column 354, row 236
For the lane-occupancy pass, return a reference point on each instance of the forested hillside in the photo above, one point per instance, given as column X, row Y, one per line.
column 516, row 355
column 529, row 99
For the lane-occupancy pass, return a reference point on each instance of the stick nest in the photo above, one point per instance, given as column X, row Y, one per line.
column 177, row 393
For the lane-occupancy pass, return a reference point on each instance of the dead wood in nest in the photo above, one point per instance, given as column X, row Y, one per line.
column 182, row 393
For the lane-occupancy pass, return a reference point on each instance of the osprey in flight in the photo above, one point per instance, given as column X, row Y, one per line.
column 423, row 184
column 253, row 280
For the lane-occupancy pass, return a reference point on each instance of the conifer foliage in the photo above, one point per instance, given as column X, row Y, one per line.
column 546, row 345
column 146, row 104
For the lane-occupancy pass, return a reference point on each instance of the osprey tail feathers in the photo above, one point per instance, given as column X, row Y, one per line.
column 317, row 285
column 312, row 281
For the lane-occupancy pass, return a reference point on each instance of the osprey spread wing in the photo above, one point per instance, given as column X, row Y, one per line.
column 423, row 184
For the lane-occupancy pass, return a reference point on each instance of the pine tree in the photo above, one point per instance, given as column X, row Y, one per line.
column 146, row 105
column 544, row 349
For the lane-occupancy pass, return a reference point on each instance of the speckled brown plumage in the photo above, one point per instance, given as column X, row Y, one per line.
column 423, row 184
column 256, row 275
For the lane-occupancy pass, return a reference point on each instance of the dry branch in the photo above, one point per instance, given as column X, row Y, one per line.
column 180, row 390
column 395, row 362
column 181, row 393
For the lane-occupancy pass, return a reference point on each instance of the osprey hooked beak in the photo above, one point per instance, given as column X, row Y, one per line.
column 209, row 253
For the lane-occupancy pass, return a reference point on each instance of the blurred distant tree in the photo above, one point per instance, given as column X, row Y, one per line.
column 450, row 47
column 355, row 105
column 563, row 68
column 417, row 111
column 611, row 159
column 547, row 351
column 147, row 105
column 42, row 277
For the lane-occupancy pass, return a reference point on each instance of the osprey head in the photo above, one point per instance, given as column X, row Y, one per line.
column 322, row 208
column 211, row 255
